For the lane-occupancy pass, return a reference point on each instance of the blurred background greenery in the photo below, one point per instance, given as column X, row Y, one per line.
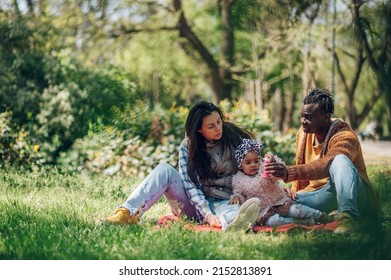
column 104, row 86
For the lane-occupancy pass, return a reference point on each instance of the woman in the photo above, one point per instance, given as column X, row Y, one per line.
column 203, row 186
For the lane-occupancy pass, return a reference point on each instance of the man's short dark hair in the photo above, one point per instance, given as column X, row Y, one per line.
column 322, row 97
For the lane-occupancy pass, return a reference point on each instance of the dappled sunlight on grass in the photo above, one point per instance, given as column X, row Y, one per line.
column 60, row 220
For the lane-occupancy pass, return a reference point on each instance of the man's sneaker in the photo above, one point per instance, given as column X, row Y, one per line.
column 346, row 224
column 325, row 219
column 121, row 216
column 248, row 214
column 333, row 213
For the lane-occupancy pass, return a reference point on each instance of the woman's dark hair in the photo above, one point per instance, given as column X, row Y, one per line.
column 322, row 97
column 199, row 165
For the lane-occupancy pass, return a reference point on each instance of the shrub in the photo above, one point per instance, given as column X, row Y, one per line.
column 260, row 125
column 141, row 138
column 15, row 145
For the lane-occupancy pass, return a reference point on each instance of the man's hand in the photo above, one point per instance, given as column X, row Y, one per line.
column 276, row 169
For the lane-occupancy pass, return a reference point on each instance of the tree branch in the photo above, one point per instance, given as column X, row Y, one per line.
column 362, row 36
column 185, row 31
column 125, row 31
column 368, row 107
column 357, row 71
column 341, row 74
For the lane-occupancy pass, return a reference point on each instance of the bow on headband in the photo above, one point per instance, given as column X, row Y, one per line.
column 243, row 149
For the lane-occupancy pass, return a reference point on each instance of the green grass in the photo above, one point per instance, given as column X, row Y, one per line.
column 47, row 215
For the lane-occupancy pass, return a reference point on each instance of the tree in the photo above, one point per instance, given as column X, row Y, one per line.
column 374, row 38
column 222, row 59
column 220, row 74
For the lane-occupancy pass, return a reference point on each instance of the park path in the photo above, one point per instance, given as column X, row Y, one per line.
column 377, row 152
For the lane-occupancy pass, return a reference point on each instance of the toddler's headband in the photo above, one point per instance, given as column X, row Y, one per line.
column 247, row 146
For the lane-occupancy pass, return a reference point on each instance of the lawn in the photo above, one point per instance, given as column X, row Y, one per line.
column 46, row 215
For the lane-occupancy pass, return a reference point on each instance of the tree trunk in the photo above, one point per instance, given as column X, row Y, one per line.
column 219, row 75
column 291, row 98
column 381, row 63
column 278, row 111
column 350, row 89
column 227, row 48
column 308, row 78
column 16, row 7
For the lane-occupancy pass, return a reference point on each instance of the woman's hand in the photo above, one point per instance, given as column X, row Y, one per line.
column 290, row 193
column 213, row 220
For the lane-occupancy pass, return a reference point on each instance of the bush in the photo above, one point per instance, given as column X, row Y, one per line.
column 141, row 138
column 15, row 146
column 50, row 93
column 261, row 126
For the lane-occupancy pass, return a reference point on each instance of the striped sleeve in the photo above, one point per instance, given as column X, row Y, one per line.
column 194, row 193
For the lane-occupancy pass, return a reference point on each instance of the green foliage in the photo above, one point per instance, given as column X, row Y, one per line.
column 140, row 138
column 260, row 125
column 21, row 68
column 47, row 215
column 82, row 97
column 97, row 120
column 380, row 177
column 160, row 67
column 76, row 84
column 50, row 94
column 15, row 146
column 74, row 98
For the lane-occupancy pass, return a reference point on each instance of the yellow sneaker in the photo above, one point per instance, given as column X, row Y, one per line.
column 346, row 224
column 333, row 213
column 121, row 216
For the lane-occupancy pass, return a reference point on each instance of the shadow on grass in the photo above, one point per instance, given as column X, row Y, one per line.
column 65, row 231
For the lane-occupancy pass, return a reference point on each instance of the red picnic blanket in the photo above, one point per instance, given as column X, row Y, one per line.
column 168, row 220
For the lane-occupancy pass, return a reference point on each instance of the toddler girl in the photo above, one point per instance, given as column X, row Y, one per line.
column 276, row 207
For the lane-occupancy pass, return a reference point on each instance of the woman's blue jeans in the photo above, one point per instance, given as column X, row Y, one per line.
column 345, row 191
column 226, row 212
column 166, row 180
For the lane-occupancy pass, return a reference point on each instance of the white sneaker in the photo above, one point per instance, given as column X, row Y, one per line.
column 248, row 214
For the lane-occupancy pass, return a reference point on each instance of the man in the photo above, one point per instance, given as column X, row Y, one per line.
column 330, row 171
